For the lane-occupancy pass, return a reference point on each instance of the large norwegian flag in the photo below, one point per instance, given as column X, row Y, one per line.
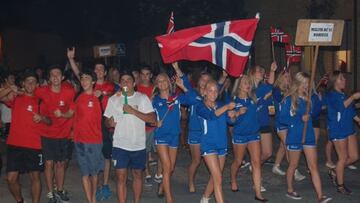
column 171, row 24
column 293, row 53
column 225, row 44
column 278, row 35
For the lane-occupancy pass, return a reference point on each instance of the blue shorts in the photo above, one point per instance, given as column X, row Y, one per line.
column 281, row 128
column 170, row 140
column 219, row 152
column 123, row 159
column 245, row 139
column 339, row 137
column 90, row 158
column 299, row 147
column 194, row 137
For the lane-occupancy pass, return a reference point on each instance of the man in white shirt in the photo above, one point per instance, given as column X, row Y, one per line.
column 128, row 111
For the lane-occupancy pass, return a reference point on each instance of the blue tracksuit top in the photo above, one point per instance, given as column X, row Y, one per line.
column 278, row 97
column 214, row 135
column 263, row 110
column 295, row 123
column 247, row 123
column 316, row 106
column 171, row 123
column 194, row 119
column 340, row 118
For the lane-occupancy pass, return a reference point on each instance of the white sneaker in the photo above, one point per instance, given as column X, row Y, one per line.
column 298, row 176
column 204, row 200
column 352, row 167
column 276, row 169
column 245, row 164
column 330, row 165
column 262, row 189
column 157, row 178
column 250, row 168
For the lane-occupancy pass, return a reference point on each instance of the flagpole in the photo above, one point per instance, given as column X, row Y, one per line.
column 272, row 50
column 308, row 98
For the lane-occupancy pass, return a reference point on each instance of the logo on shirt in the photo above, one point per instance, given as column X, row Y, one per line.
column 61, row 103
column 160, row 104
column 90, row 104
column 29, row 108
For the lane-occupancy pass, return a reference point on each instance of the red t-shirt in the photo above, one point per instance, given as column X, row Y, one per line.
column 51, row 101
column 148, row 90
column 87, row 119
column 23, row 131
column 107, row 89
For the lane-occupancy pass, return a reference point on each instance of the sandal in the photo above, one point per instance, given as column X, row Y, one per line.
column 293, row 195
column 332, row 176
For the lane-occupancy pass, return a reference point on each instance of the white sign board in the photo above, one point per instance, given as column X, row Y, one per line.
column 105, row 51
column 321, row 32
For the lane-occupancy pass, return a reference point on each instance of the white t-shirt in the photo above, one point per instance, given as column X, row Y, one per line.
column 129, row 131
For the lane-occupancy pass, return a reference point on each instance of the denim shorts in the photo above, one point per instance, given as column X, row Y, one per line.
column 90, row 158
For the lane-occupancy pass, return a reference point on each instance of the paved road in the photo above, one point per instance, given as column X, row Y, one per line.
column 275, row 184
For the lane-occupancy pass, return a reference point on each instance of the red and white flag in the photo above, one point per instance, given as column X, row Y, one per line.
column 171, row 24
column 293, row 53
column 225, row 44
column 278, row 35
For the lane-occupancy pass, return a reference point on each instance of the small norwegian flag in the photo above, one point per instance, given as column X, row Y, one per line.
column 171, row 102
column 324, row 80
column 278, row 35
column 171, row 24
column 293, row 53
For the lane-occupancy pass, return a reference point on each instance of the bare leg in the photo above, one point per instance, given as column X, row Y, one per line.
column 137, row 184
column 107, row 168
column 49, row 174
column 317, row 134
column 311, row 160
column 121, row 175
column 341, row 150
column 60, row 175
column 164, row 154
column 213, row 163
column 195, row 162
column 239, row 152
column 294, row 157
column 255, row 154
column 35, row 186
column 94, row 180
column 328, row 151
column 266, row 146
column 87, row 188
column 353, row 150
column 14, row 186
column 282, row 150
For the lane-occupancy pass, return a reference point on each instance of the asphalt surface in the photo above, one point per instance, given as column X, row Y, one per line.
column 275, row 184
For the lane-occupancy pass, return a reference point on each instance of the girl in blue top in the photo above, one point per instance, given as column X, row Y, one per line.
column 281, row 88
column 263, row 91
column 293, row 113
column 341, row 113
column 213, row 142
column 167, row 108
column 194, row 127
column 246, row 135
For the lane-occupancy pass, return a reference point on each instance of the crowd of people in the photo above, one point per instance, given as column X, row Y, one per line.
column 120, row 119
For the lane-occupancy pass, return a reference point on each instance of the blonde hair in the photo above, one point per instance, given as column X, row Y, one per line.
column 251, row 94
column 300, row 78
column 252, row 73
column 156, row 89
column 279, row 83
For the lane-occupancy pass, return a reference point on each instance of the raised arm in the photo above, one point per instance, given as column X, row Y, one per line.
column 73, row 65
column 272, row 73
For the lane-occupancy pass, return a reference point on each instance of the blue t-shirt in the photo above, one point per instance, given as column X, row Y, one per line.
column 339, row 117
column 246, row 124
column 214, row 134
column 295, row 124
column 263, row 104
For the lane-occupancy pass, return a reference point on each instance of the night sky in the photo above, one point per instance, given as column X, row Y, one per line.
column 91, row 22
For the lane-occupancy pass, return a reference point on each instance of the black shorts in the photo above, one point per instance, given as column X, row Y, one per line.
column 24, row 160
column 266, row 129
column 55, row 149
column 316, row 123
column 107, row 143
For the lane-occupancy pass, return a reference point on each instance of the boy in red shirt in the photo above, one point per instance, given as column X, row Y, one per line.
column 24, row 144
column 87, row 135
column 103, row 90
column 57, row 101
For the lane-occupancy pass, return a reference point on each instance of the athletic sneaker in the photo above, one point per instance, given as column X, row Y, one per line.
column 298, row 176
column 276, row 169
column 157, row 178
column 106, row 192
column 62, row 197
column 325, row 199
column 262, row 188
column 147, row 181
column 204, row 200
column 51, row 197
column 330, row 165
column 352, row 167
column 98, row 194
column 293, row 195
column 245, row 164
